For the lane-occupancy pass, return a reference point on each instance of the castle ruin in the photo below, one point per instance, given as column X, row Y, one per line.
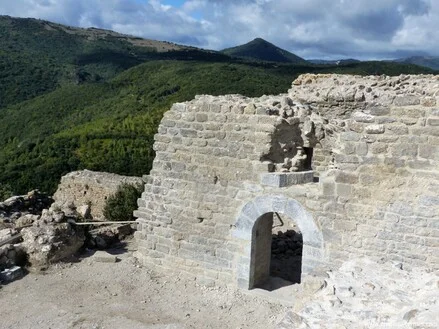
column 242, row 189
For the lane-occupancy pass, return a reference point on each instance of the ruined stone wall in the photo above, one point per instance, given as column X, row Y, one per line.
column 80, row 188
column 223, row 162
column 384, row 164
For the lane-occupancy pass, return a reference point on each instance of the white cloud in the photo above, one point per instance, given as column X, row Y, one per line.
column 310, row 28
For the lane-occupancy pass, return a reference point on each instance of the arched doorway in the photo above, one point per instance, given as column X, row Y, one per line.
column 254, row 229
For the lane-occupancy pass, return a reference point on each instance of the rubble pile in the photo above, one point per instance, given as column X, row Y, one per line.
column 35, row 232
column 52, row 238
column 367, row 294
column 23, row 210
column 286, row 255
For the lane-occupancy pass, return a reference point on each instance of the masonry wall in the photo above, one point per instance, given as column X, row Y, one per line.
column 91, row 188
column 376, row 155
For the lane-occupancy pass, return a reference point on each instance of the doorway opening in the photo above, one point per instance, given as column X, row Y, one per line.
column 276, row 252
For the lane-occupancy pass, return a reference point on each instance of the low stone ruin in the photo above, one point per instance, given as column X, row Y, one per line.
column 88, row 190
column 37, row 230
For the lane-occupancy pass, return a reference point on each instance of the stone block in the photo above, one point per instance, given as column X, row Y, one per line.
column 328, row 188
column 429, row 152
column 343, row 190
column 378, row 110
column 11, row 274
column 428, row 101
column 385, row 120
column 426, row 131
column 190, row 133
column 363, row 117
column 375, row 129
column 287, row 179
column 433, row 122
column 397, row 129
column 346, row 178
column 104, row 257
column 350, row 136
column 404, row 150
column 345, row 225
column 378, row 148
column 361, row 149
column 342, row 158
column 357, row 127
column 409, row 121
column 406, row 100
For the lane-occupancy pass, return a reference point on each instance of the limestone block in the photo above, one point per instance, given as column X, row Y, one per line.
column 363, row 117
column 406, row 100
column 287, row 179
column 397, row 129
column 350, row 136
column 378, row 110
column 404, row 150
column 433, row 122
column 375, row 129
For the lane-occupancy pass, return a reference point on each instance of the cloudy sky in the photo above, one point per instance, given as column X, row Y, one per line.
column 329, row 29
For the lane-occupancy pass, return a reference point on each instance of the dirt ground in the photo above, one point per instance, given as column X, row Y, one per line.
column 95, row 295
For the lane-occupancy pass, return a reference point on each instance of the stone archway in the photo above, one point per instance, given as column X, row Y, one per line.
column 249, row 269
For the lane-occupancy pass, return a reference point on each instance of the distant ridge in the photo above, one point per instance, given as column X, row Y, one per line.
column 262, row 50
column 334, row 62
column 426, row 61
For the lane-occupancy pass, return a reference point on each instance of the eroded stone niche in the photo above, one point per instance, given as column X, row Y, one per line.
column 375, row 147
column 297, row 132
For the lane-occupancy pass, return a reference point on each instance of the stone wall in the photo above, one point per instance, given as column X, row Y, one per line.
column 81, row 188
column 223, row 163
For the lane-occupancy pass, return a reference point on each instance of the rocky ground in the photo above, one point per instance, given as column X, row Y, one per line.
column 90, row 293
column 365, row 294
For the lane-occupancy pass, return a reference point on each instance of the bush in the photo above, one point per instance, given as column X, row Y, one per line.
column 5, row 191
column 120, row 206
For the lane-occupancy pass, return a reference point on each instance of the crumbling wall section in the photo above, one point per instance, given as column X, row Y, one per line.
column 89, row 188
column 382, row 152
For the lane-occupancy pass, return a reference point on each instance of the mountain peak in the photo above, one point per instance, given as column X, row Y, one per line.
column 262, row 50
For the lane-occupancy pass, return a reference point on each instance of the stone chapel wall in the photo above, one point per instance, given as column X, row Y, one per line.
column 220, row 161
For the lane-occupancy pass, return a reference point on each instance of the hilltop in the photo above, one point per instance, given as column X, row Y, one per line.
column 261, row 50
column 40, row 56
column 74, row 98
column 425, row 61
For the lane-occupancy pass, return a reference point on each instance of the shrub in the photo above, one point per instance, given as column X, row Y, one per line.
column 120, row 206
column 5, row 191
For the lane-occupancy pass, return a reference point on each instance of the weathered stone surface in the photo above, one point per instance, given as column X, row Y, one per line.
column 51, row 240
column 86, row 187
column 353, row 296
column 11, row 274
column 375, row 129
column 370, row 141
column 287, row 179
column 104, row 257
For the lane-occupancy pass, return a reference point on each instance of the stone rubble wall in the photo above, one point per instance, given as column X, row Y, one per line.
column 80, row 188
column 383, row 158
column 376, row 152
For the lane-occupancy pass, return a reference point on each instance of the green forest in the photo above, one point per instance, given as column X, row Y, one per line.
column 70, row 101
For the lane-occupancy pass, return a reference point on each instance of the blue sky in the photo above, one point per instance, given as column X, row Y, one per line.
column 327, row 29
column 175, row 3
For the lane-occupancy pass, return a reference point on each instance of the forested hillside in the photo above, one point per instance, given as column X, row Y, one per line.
column 92, row 99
